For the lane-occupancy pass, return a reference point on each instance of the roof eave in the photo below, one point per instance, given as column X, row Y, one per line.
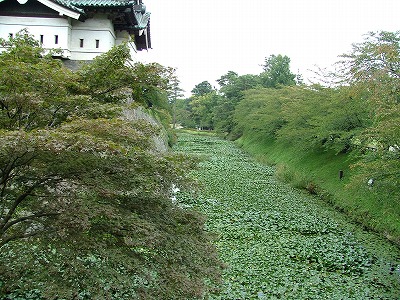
column 62, row 10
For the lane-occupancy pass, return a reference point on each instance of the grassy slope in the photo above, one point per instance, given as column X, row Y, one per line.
column 319, row 172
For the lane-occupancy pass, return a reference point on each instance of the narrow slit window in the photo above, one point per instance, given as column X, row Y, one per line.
column 81, row 43
column 41, row 39
column 56, row 39
column 97, row 43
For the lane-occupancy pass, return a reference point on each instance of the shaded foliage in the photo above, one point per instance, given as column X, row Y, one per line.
column 85, row 194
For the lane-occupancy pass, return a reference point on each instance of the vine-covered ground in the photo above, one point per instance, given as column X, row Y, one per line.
column 278, row 242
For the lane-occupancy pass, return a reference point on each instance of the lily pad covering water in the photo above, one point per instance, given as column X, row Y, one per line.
column 278, row 242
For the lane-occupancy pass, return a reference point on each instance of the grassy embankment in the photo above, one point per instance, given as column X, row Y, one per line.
column 318, row 172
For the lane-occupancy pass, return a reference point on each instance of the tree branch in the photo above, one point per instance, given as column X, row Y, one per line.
column 11, row 211
column 30, row 217
column 18, row 236
column 18, row 201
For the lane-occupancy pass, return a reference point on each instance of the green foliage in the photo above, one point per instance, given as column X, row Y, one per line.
column 202, row 110
column 377, row 56
column 202, row 88
column 219, row 115
column 232, row 88
column 305, row 117
column 85, row 193
column 211, row 110
column 277, row 72
column 184, row 113
column 150, row 84
column 107, row 74
column 319, row 117
column 35, row 90
column 232, row 85
column 373, row 69
column 278, row 242
column 260, row 113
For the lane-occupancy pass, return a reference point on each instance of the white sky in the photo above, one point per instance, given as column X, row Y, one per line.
column 206, row 39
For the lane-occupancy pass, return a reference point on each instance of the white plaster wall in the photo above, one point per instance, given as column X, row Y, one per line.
column 70, row 32
column 98, row 28
column 123, row 36
column 48, row 27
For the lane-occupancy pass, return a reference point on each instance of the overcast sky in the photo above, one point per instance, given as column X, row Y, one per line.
column 206, row 39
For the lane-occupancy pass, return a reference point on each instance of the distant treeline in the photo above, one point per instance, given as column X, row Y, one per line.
column 352, row 115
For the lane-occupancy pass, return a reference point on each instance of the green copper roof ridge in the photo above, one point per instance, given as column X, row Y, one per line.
column 69, row 5
column 101, row 3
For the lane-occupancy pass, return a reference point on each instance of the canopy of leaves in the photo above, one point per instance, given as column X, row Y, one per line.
column 277, row 72
column 232, row 86
column 202, row 88
column 373, row 70
column 202, row 108
column 85, row 194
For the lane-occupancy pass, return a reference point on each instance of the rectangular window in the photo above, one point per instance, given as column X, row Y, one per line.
column 10, row 35
column 41, row 39
column 56, row 39
column 97, row 43
column 81, row 43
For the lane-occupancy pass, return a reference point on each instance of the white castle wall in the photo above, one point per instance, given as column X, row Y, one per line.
column 77, row 39
column 45, row 29
column 98, row 28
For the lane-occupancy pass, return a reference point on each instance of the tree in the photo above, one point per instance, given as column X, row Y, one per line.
column 228, row 78
column 232, row 89
column 373, row 70
column 377, row 56
column 184, row 113
column 277, row 72
column 80, row 177
column 42, row 146
column 35, row 89
column 34, row 96
column 173, row 91
column 202, row 88
column 259, row 114
column 202, row 110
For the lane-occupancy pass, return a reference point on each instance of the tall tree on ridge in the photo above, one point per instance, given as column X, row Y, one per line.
column 277, row 72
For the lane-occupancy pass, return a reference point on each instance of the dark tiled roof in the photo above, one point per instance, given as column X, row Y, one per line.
column 100, row 3
column 79, row 5
column 136, row 18
column 68, row 4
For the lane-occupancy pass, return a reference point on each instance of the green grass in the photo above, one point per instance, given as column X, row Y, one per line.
column 318, row 172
